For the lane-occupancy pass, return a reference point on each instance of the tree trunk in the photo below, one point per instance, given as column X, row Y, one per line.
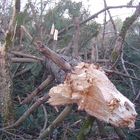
column 6, row 105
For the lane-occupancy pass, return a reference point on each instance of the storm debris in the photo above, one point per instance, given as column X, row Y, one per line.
column 89, row 87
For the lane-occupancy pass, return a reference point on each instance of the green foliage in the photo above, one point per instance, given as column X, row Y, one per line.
column 62, row 13
column 36, row 69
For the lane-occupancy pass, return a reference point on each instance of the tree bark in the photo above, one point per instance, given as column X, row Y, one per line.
column 6, row 105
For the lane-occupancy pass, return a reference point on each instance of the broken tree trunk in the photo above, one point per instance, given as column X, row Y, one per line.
column 89, row 88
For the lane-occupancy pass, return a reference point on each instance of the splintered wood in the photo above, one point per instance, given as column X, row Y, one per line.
column 89, row 87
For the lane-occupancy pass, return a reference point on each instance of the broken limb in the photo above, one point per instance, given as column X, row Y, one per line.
column 56, row 122
column 89, row 88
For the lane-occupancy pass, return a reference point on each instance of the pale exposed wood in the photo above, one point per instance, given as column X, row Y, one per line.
column 88, row 87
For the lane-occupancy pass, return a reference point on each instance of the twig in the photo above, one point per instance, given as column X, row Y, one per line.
column 14, row 135
column 107, row 8
column 119, row 73
column 137, row 97
column 56, row 122
column 138, row 67
column 26, row 55
column 120, row 133
column 130, row 79
column 46, row 118
column 16, row 69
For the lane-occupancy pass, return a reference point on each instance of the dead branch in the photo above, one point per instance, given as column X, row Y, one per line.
column 29, row 98
column 119, row 73
column 53, row 56
column 16, row 69
column 56, row 122
column 21, row 54
column 45, row 117
column 130, row 79
column 132, row 64
column 107, row 8
column 21, row 72
column 24, row 60
column 137, row 97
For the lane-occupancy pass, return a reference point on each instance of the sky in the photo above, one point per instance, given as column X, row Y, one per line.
column 97, row 5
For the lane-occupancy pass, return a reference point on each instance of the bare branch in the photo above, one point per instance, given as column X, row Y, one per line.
column 119, row 73
column 45, row 117
column 56, row 122
column 26, row 55
column 111, row 19
column 24, row 60
column 130, row 79
column 53, row 56
column 21, row 72
column 92, row 17
column 29, row 98
column 28, row 112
